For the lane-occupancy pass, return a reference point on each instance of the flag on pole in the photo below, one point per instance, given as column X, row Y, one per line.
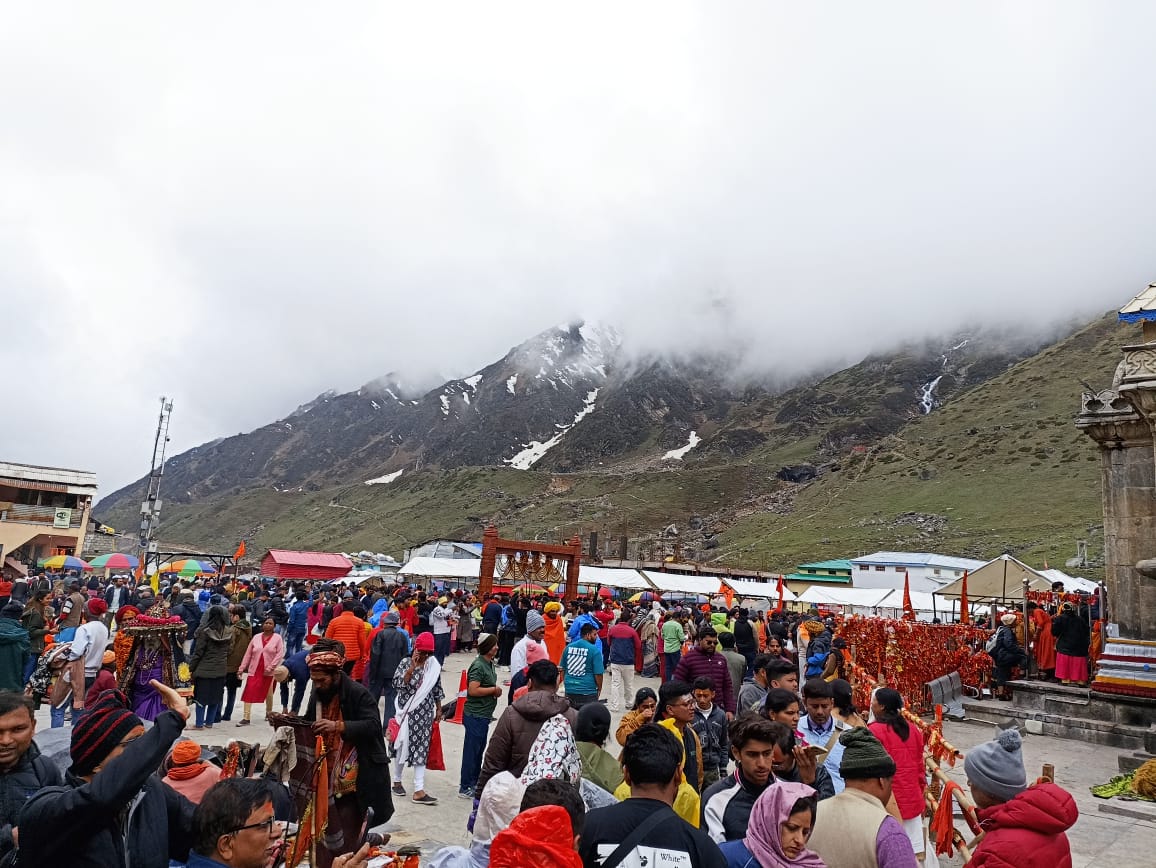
column 240, row 552
column 728, row 592
column 908, row 609
column 779, row 607
column 964, row 610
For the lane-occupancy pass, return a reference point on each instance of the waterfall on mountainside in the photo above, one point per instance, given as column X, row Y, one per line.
column 927, row 398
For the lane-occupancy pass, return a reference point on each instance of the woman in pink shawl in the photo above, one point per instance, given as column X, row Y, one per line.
column 781, row 822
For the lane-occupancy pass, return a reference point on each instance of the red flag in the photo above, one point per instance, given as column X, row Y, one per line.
column 779, row 607
column 964, row 611
column 908, row 609
column 240, row 552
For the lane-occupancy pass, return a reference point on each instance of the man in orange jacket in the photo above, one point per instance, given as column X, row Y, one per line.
column 349, row 628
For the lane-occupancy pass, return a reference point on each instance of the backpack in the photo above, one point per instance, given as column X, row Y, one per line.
column 992, row 642
column 509, row 621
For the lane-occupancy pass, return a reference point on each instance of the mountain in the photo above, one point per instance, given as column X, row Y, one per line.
column 568, row 432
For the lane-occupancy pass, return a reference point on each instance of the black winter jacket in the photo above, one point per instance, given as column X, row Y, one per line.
column 1072, row 634
column 390, row 647
column 190, row 613
column 210, row 657
column 19, row 785
column 363, row 730
column 85, row 825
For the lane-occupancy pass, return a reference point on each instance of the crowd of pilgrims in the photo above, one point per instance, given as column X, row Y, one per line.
column 750, row 753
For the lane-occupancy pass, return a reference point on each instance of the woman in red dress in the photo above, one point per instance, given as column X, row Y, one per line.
column 265, row 652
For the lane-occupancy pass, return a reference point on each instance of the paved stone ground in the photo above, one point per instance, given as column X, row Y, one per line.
column 1098, row 839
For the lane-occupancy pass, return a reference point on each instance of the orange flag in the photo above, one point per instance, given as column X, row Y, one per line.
column 779, row 607
column 964, row 611
column 908, row 609
column 728, row 592
column 240, row 552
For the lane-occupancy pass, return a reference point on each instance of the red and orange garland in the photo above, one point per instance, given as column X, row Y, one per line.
column 908, row 654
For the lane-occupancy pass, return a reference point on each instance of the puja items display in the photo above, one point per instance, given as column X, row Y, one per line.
column 909, row 654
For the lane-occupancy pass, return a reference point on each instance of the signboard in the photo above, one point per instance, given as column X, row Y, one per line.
column 62, row 517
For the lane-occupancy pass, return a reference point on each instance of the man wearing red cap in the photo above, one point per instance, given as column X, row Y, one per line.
column 87, row 823
column 88, row 645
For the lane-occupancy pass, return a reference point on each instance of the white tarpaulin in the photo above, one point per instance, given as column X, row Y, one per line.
column 441, row 568
column 860, row 598
column 609, row 577
column 763, row 590
column 674, row 583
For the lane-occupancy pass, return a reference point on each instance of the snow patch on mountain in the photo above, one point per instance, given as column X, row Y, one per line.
column 510, row 383
column 677, row 454
column 535, row 450
column 445, row 404
column 385, row 480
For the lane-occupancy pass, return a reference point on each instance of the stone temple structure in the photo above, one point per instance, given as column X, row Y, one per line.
column 1122, row 421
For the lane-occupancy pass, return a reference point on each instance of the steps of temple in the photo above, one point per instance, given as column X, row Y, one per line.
column 1072, row 712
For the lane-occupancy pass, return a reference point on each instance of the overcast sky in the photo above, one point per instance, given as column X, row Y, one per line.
column 240, row 205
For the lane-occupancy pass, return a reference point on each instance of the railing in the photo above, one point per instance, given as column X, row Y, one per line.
column 37, row 514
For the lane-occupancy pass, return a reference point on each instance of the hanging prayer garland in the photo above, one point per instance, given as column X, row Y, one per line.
column 909, row 654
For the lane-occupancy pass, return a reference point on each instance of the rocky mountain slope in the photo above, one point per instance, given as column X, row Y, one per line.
column 566, row 433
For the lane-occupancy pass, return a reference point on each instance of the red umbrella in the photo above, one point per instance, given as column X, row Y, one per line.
column 605, row 593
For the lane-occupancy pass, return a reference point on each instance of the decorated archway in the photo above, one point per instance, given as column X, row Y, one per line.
column 521, row 562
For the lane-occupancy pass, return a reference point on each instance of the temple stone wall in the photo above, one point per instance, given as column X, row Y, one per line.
column 1129, row 490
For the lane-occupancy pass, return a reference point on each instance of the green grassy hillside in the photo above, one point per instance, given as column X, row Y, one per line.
column 999, row 468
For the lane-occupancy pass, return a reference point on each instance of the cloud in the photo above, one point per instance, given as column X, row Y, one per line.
column 239, row 206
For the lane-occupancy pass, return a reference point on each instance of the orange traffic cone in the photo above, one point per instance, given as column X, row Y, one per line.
column 460, row 706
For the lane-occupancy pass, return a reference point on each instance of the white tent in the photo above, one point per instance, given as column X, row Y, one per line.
column 1001, row 578
column 855, row 598
column 675, row 583
column 762, row 590
column 441, row 568
column 1072, row 584
column 629, row 580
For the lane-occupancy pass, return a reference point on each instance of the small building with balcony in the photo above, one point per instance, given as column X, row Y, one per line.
column 44, row 511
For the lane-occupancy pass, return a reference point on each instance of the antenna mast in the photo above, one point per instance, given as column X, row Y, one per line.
column 150, row 510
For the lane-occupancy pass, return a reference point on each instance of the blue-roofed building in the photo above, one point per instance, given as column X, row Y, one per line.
column 928, row 571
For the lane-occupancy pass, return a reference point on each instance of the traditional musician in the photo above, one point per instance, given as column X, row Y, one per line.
column 345, row 716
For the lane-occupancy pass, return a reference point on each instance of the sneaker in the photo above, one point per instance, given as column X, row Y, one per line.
column 398, row 790
column 426, row 799
column 466, row 794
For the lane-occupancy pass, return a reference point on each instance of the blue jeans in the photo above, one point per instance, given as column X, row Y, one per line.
column 298, row 694
column 294, row 639
column 672, row 658
column 473, row 749
column 441, row 647
column 207, row 715
column 57, row 716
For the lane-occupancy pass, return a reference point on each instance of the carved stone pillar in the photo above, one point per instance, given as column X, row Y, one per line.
column 1122, row 420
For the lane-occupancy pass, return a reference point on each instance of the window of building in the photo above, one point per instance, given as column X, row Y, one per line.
column 936, row 571
column 900, row 570
column 864, row 566
column 880, row 569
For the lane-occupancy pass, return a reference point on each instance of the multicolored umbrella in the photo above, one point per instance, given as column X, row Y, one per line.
column 530, row 588
column 645, row 597
column 63, row 562
column 188, row 567
column 115, row 561
column 560, row 588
